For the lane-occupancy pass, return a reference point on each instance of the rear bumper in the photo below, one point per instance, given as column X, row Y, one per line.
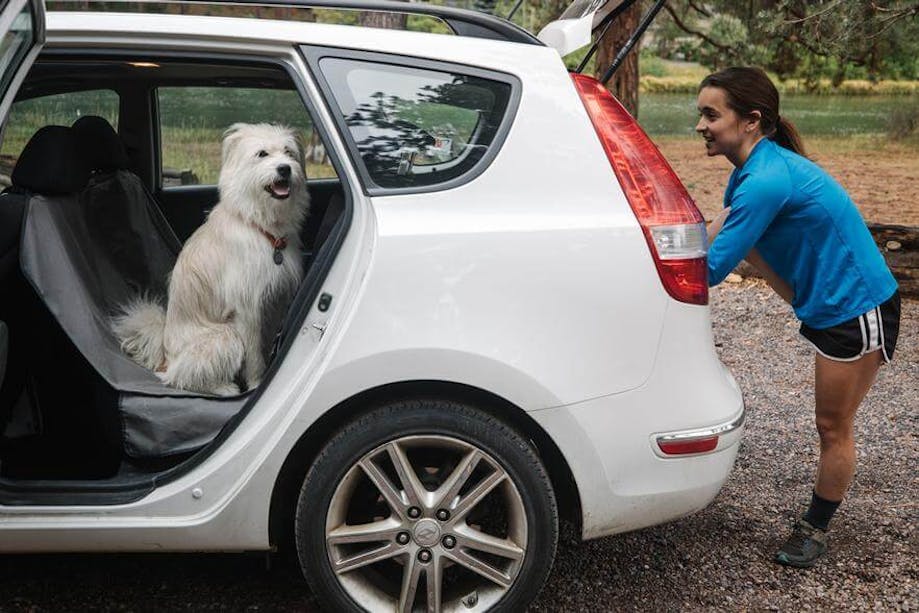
column 624, row 480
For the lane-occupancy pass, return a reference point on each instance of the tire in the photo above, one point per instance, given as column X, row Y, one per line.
column 363, row 549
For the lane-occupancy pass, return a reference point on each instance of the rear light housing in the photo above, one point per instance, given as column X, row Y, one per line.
column 671, row 222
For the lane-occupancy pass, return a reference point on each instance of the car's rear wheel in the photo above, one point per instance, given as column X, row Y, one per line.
column 426, row 505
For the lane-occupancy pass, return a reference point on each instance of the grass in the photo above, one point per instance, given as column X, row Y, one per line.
column 831, row 145
column 659, row 76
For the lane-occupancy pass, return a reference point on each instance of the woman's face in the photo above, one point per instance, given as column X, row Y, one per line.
column 725, row 132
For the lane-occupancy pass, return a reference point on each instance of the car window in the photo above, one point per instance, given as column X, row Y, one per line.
column 193, row 120
column 416, row 127
column 27, row 116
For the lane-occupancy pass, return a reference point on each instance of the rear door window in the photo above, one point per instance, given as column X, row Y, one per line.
column 193, row 120
column 416, row 127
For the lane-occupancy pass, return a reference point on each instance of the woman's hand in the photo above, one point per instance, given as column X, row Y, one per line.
column 714, row 227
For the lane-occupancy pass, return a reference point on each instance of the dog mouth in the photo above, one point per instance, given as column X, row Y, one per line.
column 279, row 189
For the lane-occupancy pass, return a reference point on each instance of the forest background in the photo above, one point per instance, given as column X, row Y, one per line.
column 848, row 72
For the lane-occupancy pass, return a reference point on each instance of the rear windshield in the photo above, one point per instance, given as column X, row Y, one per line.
column 415, row 127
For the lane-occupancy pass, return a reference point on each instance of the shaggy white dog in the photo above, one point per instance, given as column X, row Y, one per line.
column 235, row 276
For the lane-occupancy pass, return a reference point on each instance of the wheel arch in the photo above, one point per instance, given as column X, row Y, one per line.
column 287, row 484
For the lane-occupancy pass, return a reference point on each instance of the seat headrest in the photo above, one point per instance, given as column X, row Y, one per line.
column 50, row 163
column 99, row 144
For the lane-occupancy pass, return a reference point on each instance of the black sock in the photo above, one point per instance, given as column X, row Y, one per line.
column 820, row 512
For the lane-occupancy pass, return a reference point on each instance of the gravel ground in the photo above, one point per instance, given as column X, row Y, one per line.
column 718, row 559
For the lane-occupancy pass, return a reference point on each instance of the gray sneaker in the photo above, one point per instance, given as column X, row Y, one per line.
column 803, row 547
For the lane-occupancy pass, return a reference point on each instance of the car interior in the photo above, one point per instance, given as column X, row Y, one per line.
column 94, row 212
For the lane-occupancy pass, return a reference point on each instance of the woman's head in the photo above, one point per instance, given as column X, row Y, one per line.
column 737, row 107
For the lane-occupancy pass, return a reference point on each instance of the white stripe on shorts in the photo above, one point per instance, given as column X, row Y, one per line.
column 861, row 322
column 874, row 335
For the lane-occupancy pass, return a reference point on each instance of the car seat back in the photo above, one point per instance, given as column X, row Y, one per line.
column 74, row 265
column 121, row 217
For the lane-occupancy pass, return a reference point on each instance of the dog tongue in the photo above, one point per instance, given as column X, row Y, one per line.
column 280, row 189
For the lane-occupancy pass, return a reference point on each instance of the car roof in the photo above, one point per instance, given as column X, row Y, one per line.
column 66, row 27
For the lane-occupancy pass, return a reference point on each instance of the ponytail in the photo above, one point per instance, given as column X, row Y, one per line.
column 786, row 135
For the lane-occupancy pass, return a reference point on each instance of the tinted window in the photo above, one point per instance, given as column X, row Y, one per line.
column 193, row 120
column 415, row 127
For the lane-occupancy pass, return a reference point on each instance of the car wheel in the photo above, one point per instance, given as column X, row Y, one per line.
column 426, row 505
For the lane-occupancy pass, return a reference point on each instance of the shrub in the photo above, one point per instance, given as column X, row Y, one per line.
column 904, row 120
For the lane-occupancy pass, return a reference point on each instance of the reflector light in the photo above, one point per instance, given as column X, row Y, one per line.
column 674, row 228
column 697, row 445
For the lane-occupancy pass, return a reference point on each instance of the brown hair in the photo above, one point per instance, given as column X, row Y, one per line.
column 749, row 89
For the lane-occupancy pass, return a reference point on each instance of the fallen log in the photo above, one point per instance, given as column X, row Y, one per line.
column 900, row 246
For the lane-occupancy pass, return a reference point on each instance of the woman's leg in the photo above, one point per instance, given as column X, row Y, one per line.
column 839, row 389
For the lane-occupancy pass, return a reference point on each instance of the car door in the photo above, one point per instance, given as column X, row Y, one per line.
column 22, row 27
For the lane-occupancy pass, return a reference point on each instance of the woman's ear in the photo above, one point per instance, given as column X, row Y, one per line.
column 754, row 120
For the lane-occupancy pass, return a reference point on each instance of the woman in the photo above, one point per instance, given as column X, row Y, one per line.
column 796, row 224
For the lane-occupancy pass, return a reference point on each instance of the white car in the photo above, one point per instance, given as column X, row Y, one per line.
column 504, row 319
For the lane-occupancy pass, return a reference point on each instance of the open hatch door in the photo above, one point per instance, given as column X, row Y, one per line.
column 575, row 28
column 22, row 28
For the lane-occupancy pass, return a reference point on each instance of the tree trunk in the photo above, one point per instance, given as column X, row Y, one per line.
column 376, row 19
column 900, row 246
column 624, row 83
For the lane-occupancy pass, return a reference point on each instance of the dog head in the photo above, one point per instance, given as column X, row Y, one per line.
column 262, row 175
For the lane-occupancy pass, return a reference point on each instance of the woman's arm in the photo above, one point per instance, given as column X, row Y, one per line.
column 714, row 226
column 775, row 282
column 754, row 259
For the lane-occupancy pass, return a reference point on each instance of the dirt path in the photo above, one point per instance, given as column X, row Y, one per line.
column 881, row 177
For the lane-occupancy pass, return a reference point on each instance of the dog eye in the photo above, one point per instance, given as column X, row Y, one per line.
column 262, row 154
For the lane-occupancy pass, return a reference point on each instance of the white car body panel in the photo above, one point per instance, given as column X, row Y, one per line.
column 583, row 337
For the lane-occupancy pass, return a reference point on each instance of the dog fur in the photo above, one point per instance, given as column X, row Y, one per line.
column 226, row 294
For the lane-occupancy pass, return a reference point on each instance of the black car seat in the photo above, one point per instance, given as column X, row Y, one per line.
column 12, row 206
column 71, row 254
column 122, row 218
column 43, row 365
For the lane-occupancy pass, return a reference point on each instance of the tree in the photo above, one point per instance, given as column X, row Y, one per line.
column 804, row 38
column 624, row 83
column 379, row 19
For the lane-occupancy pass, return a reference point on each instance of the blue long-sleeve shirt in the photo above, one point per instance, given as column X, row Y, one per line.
column 808, row 230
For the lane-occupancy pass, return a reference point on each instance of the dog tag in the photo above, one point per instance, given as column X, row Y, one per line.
column 278, row 257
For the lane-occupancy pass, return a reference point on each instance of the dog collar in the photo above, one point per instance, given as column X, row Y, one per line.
column 278, row 242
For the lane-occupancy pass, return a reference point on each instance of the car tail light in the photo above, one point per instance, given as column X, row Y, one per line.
column 695, row 445
column 673, row 226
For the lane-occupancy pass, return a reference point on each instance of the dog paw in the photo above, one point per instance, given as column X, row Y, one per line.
column 226, row 389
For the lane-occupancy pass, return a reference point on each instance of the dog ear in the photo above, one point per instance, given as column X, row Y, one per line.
column 231, row 136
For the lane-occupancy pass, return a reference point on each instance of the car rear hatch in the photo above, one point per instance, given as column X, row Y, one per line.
column 672, row 224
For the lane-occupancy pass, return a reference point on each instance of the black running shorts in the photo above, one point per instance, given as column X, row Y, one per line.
column 875, row 330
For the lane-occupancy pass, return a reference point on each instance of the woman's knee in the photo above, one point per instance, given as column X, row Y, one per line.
column 834, row 430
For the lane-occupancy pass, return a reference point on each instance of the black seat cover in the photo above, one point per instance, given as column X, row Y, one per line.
column 121, row 216
column 73, row 261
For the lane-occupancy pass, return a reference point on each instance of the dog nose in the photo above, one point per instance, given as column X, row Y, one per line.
column 284, row 170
